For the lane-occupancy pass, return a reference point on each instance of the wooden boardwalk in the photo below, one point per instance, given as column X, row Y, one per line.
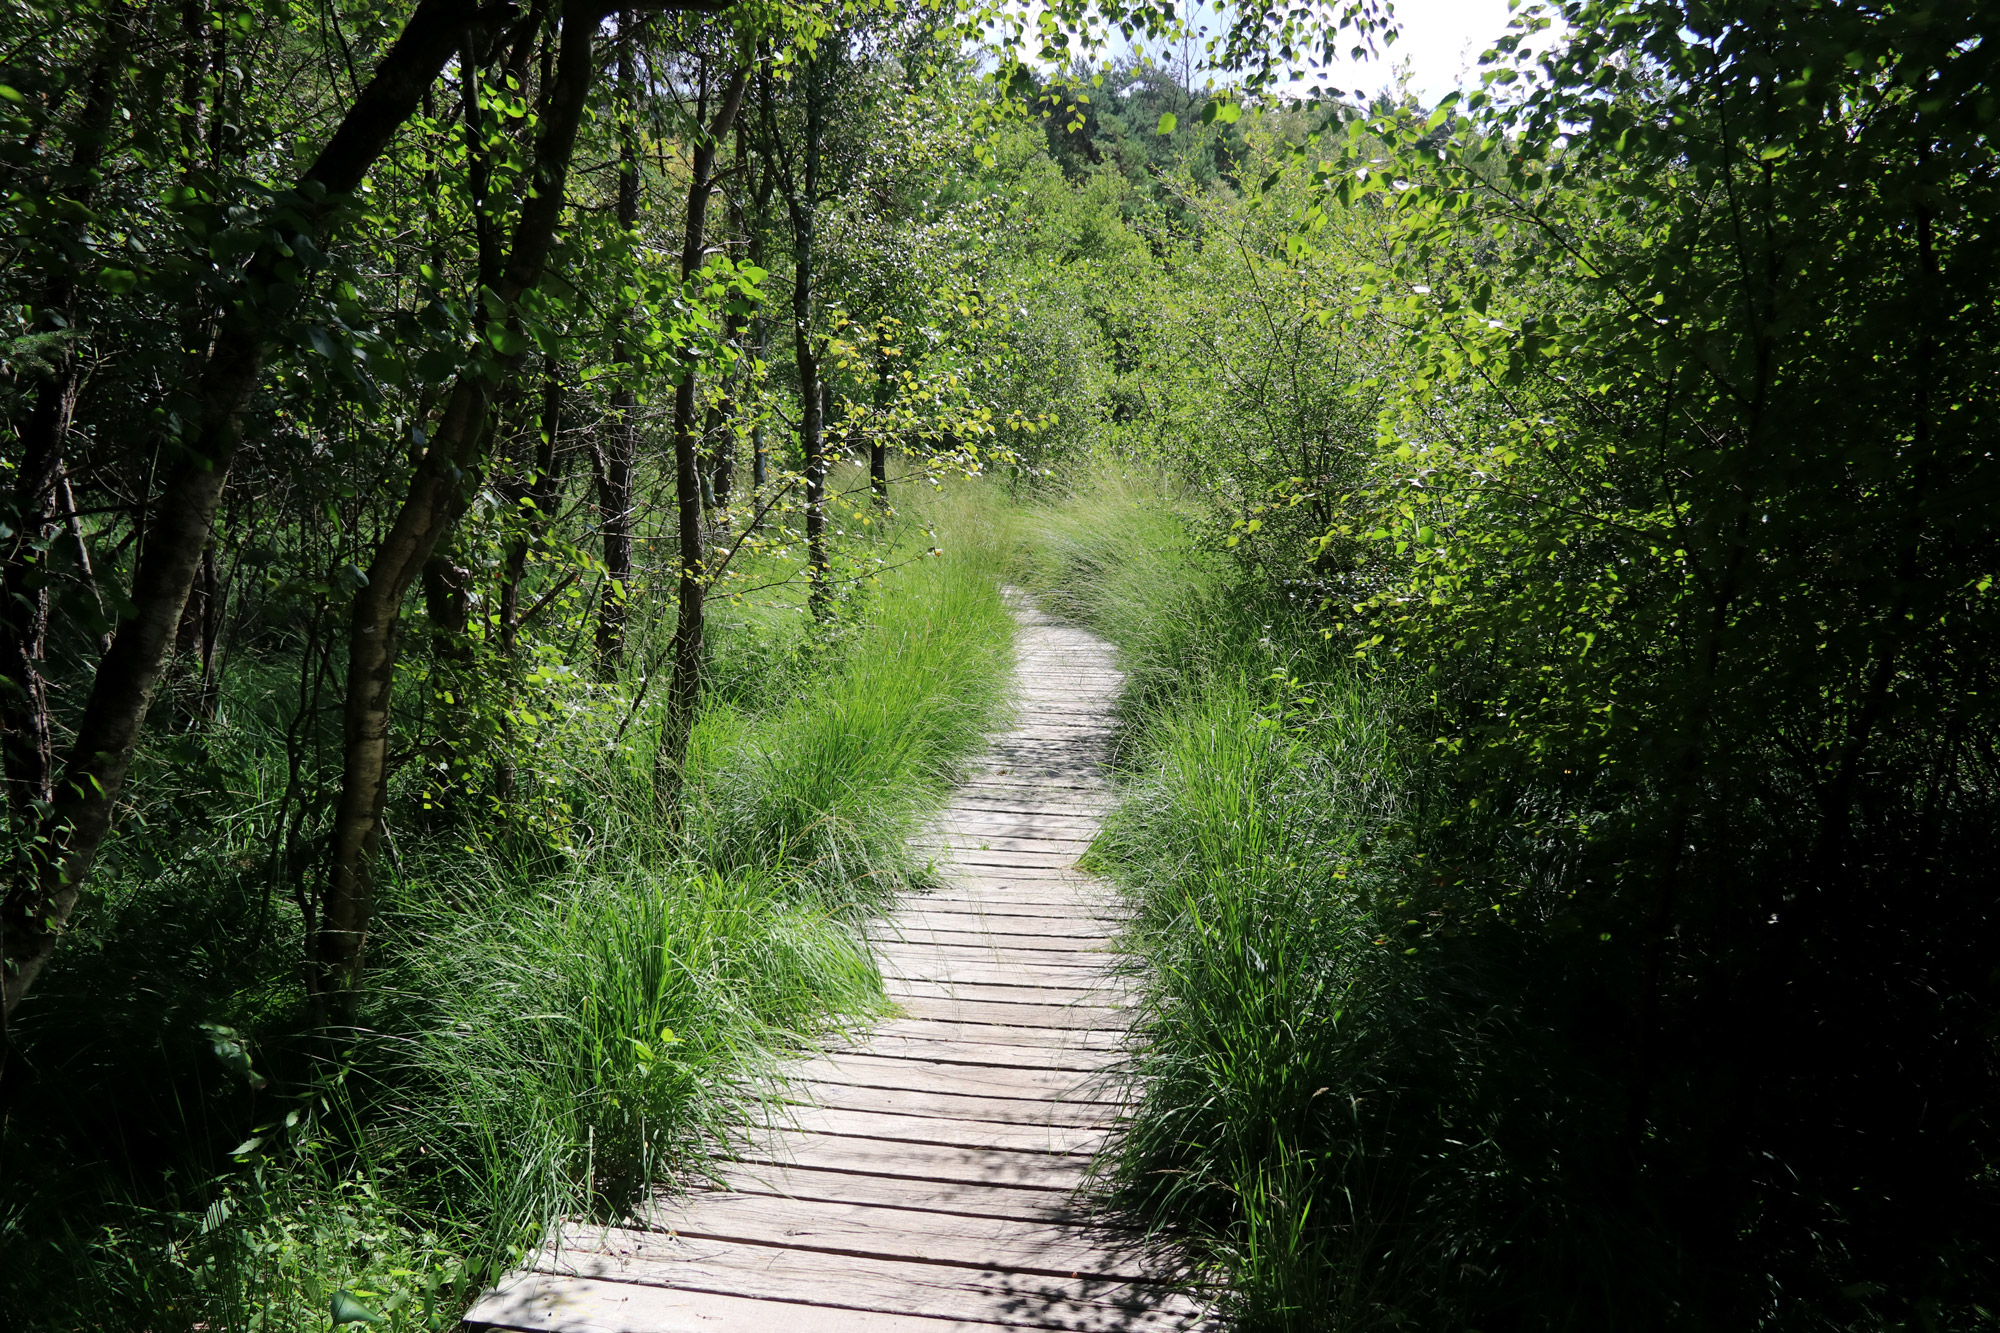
column 923, row 1183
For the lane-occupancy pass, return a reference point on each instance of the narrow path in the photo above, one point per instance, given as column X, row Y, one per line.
column 924, row 1183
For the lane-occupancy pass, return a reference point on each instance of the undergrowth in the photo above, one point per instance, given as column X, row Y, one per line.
column 1375, row 1092
column 1318, row 1103
column 554, row 1026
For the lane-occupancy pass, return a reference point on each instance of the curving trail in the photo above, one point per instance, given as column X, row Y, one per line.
column 923, row 1184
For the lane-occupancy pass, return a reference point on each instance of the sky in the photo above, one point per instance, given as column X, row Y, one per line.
column 1440, row 40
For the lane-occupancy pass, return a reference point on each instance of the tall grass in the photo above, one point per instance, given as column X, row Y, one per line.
column 549, row 1032
column 1315, row 1115
column 831, row 778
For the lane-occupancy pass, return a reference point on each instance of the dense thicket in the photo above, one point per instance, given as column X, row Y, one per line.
column 1627, row 427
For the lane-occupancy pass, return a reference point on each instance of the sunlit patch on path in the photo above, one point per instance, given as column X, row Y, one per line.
column 924, row 1181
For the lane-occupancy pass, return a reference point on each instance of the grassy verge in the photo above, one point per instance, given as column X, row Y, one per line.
column 1285, row 1035
column 550, row 1031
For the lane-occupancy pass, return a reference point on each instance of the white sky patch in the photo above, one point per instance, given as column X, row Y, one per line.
column 1439, row 42
column 1437, row 48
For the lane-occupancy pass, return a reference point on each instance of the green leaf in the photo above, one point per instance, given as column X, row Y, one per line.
column 506, row 341
column 347, row 1310
column 8, row 94
column 1167, row 122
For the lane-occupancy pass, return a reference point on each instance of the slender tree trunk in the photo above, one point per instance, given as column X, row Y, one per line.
column 27, row 742
column 83, row 800
column 436, row 496
column 539, row 492
column 448, row 605
column 757, row 232
column 620, row 448
column 684, row 688
column 802, row 198
column 722, row 469
column 878, row 440
column 812, row 443
column 194, row 644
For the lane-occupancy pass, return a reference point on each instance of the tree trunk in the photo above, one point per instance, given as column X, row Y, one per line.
column 83, row 800
column 194, row 645
column 878, row 439
column 27, row 742
column 620, row 448
column 447, row 472
column 802, row 199
column 684, row 689
column 539, row 492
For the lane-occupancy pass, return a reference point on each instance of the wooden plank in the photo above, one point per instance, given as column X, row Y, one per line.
column 898, row 931
column 546, row 1303
column 999, row 908
column 1006, row 874
column 1004, row 914
column 1020, row 1167
column 1078, row 894
column 1027, row 1037
column 942, row 1131
column 1089, row 1017
column 979, row 840
column 1079, row 1304
column 936, row 1196
column 1106, row 993
column 1073, row 792
column 1055, row 964
column 1025, row 819
column 953, row 1105
column 973, row 914
column 881, row 1233
column 1011, row 799
column 908, row 964
column 1012, row 859
column 945, row 1051
column 862, row 1070
column 1061, row 966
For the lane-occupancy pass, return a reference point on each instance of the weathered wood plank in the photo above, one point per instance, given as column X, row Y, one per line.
column 1080, row 1304
column 937, row 1196
column 974, row 916
column 945, row 1051
column 901, row 931
column 910, row 965
column 1091, row 1017
column 876, row 1232
column 982, row 841
column 998, row 907
column 954, row 1105
column 1031, row 1037
column 943, row 1131
column 546, row 1303
column 1019, row 1167
column 1052, row 965
column 874, row 1071
column 1105, row 992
